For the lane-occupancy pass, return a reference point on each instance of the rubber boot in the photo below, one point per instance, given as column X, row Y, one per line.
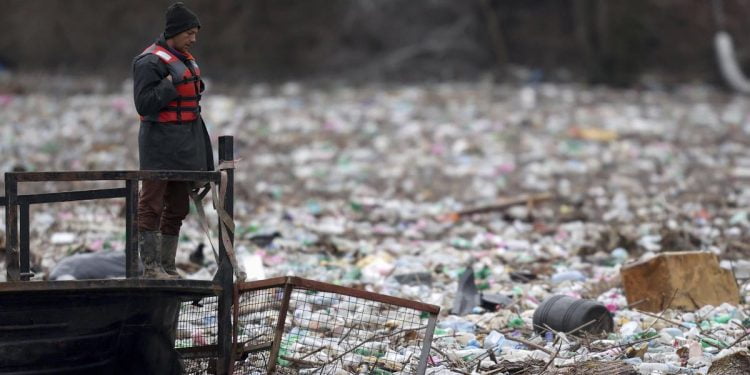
column 168, row 253
column 148, row 241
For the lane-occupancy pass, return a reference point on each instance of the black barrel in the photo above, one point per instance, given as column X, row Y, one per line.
column 565, row 314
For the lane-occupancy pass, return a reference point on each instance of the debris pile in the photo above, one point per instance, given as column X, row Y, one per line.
column 538, row 190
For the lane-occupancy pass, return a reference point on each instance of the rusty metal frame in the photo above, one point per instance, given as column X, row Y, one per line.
column 276, row 346
column 330, row 288
column 427, row 344
column 289, row 283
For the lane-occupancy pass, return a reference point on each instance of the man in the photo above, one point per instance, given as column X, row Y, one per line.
column 167, row 92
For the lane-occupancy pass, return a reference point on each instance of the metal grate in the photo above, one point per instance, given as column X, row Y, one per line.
column 196, row 336
column 199, row 366
column 256, row 317
column 307, row 327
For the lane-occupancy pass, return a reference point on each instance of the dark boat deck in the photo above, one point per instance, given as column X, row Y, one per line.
column 185, row 288
column 124, row 326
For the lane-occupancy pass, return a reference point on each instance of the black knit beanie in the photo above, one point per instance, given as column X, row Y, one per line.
column 179, row 18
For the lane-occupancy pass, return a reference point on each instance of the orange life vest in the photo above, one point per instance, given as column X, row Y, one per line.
column 186, row 79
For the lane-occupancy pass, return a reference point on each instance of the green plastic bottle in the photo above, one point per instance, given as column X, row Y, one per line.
column 516, row 322
column 723, row 319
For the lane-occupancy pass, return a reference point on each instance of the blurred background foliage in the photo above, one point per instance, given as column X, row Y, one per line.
column 621, row 43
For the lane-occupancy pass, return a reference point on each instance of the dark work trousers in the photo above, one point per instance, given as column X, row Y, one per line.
column 163, row 205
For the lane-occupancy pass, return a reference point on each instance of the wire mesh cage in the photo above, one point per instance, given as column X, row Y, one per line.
column 196, row 335
column 256, row 315
column 297, row 326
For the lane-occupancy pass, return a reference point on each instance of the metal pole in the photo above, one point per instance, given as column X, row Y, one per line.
column 225, row 272
column 11, row 227
column 279, row 335
column 131, row 228
column 24, row 242
column 427, row 344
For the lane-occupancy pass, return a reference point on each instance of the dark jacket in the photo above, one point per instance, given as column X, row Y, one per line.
column 185, row 146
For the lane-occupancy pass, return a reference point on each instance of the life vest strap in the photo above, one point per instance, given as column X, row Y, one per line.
column 194, row 109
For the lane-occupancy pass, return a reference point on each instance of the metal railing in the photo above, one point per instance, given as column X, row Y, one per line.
column 17, row 212
column 17, row 244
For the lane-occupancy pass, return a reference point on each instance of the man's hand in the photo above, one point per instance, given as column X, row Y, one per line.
column 169, row 77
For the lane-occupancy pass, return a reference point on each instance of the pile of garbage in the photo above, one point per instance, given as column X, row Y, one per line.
column 537, row 190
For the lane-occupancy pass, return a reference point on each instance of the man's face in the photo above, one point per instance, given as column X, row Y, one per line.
column 184, row 40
